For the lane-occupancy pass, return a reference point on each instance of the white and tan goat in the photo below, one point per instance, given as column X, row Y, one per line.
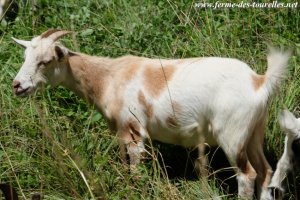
column 291, row 154
column 176, row 101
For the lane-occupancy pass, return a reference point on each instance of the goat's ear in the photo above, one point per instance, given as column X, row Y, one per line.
column 23, row 43
column 288, row 123
column 60, row 52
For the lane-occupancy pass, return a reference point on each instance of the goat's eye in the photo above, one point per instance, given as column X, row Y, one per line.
column 43, row 63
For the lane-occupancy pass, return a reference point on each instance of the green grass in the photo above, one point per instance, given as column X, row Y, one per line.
column 55, row 144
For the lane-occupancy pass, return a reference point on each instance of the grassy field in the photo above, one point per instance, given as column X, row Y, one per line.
column 55, row 144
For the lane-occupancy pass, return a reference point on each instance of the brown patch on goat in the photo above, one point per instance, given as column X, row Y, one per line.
column 156, row 78
column 127, row 66
column 89, row 77
column 147, row 106
column 130, row 72
column 258, row 81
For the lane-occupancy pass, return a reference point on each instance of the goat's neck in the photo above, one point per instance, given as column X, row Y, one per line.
column 88, row 77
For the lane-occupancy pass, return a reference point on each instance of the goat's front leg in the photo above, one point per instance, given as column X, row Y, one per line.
column 131, row 144
column 135, row 151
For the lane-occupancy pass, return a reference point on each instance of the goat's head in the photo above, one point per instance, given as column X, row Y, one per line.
column 43, row 55
column 291, row 126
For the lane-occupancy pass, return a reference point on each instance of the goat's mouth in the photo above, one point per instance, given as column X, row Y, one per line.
column 20, row 92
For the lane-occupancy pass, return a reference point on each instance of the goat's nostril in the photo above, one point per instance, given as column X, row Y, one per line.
column 16, row 84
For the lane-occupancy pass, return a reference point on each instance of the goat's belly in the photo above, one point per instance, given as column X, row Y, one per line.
column 186, row 139
column 187, row 136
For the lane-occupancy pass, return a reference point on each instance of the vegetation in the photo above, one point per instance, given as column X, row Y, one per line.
column 55, row 144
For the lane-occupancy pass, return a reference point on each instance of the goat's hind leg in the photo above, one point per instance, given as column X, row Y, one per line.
column 246, row 175
column 235, row 149
column 259, row 161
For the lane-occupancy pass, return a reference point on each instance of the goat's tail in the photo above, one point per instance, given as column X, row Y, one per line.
column 277, row 68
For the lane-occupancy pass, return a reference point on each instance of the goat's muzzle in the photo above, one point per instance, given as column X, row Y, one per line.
column 18, row 90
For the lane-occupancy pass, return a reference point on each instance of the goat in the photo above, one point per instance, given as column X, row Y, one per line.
column 177, row 101
column 291, row 154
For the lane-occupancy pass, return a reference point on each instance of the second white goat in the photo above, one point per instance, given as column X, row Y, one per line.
column 291, row 155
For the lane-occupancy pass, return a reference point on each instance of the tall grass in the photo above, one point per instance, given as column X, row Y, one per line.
column 55, row 144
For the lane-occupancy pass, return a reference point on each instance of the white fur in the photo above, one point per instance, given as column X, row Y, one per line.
column 217, row 98
column 291, row 126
